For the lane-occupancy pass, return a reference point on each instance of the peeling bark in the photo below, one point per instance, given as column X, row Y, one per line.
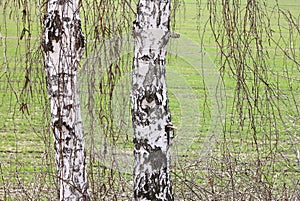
column 63, row 45
column 153, row 129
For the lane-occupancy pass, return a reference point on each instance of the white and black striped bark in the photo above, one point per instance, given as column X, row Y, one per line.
column 153, row 130
column 63, row 45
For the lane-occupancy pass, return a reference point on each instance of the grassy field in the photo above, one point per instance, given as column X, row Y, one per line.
column 232, row 143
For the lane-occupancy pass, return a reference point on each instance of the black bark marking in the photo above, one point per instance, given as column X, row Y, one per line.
column 138, row 118
column 80, row 40
column 63, row 2
column 145, row 58
column 136, row 24
column 169, row 129
column 68, row 107
column 158, row 20
column 150, row 96
column 151, row 186
column 68, row 139
column 161, row 62
column 53, row 29
column 66, row 19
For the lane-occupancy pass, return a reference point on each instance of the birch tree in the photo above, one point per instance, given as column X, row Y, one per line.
column 63, row 45
column 153, row 130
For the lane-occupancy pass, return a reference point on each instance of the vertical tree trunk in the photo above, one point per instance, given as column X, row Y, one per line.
column 153, row 130
column 63, row 46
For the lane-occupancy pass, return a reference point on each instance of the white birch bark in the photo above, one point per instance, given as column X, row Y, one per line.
column 153, row 130
column 63, row 45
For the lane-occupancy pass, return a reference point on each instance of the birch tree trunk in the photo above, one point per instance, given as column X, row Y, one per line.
column 153, row 130
column 63, row 45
